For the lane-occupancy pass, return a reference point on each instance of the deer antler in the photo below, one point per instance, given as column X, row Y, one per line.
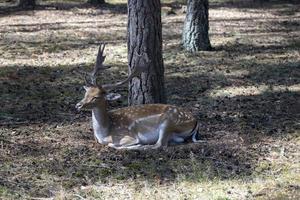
column 99, row 64
column 135, row 72
column 138, row 69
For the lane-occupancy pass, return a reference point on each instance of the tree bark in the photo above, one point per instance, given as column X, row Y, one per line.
column 27, row 4
column 195, row 31
column 145, row 40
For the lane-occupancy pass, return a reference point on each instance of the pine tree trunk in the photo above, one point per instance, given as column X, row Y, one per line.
column 27, row 4
column 195, row 31
column 145, row 39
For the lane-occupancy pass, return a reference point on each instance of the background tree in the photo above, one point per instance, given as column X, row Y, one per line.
column 195, row 31
column 145, row 40
column 96, row 2
column 27, row 3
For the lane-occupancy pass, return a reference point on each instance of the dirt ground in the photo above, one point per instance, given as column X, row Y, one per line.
column 245, row 93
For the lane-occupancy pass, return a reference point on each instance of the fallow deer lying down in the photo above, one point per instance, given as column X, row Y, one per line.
column 149, row 126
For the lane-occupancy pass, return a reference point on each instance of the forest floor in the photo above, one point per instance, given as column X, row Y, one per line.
column 245, row 93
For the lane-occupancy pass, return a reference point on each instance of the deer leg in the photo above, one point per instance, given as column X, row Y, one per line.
column 163, row 137
column 195, row 134
column 128, row 147
column 171, row 115
column 135, row 147
column 113, row 146
column 176, row 140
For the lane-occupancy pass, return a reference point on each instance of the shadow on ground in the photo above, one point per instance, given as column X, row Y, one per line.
column 106, row 8
column 252, row 4
column 43, row 94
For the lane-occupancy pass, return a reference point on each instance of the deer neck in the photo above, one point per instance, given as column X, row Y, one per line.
column 101, row 122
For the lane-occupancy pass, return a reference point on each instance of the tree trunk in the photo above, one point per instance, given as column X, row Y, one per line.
column 27, row 4
column 96, row 2
column 195, row 31
column 145, row 40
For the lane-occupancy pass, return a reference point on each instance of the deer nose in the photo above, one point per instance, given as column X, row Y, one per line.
column 79, row 106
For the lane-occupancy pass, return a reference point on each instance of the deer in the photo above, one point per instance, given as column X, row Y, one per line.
column 139, row 127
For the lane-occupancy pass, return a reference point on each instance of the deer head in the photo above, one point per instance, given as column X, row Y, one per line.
column 96, row 94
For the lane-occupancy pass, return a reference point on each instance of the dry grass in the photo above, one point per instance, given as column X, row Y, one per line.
column 245, row 93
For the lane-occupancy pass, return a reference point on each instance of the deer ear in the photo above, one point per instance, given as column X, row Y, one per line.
column 112, row 96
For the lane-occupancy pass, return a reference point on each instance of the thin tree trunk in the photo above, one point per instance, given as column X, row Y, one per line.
column 145, row 40
column 195, row 32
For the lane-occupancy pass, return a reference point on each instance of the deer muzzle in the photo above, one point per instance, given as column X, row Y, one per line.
column 79, row 106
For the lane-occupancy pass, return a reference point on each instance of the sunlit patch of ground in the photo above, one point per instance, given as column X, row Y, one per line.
column 245, row 94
